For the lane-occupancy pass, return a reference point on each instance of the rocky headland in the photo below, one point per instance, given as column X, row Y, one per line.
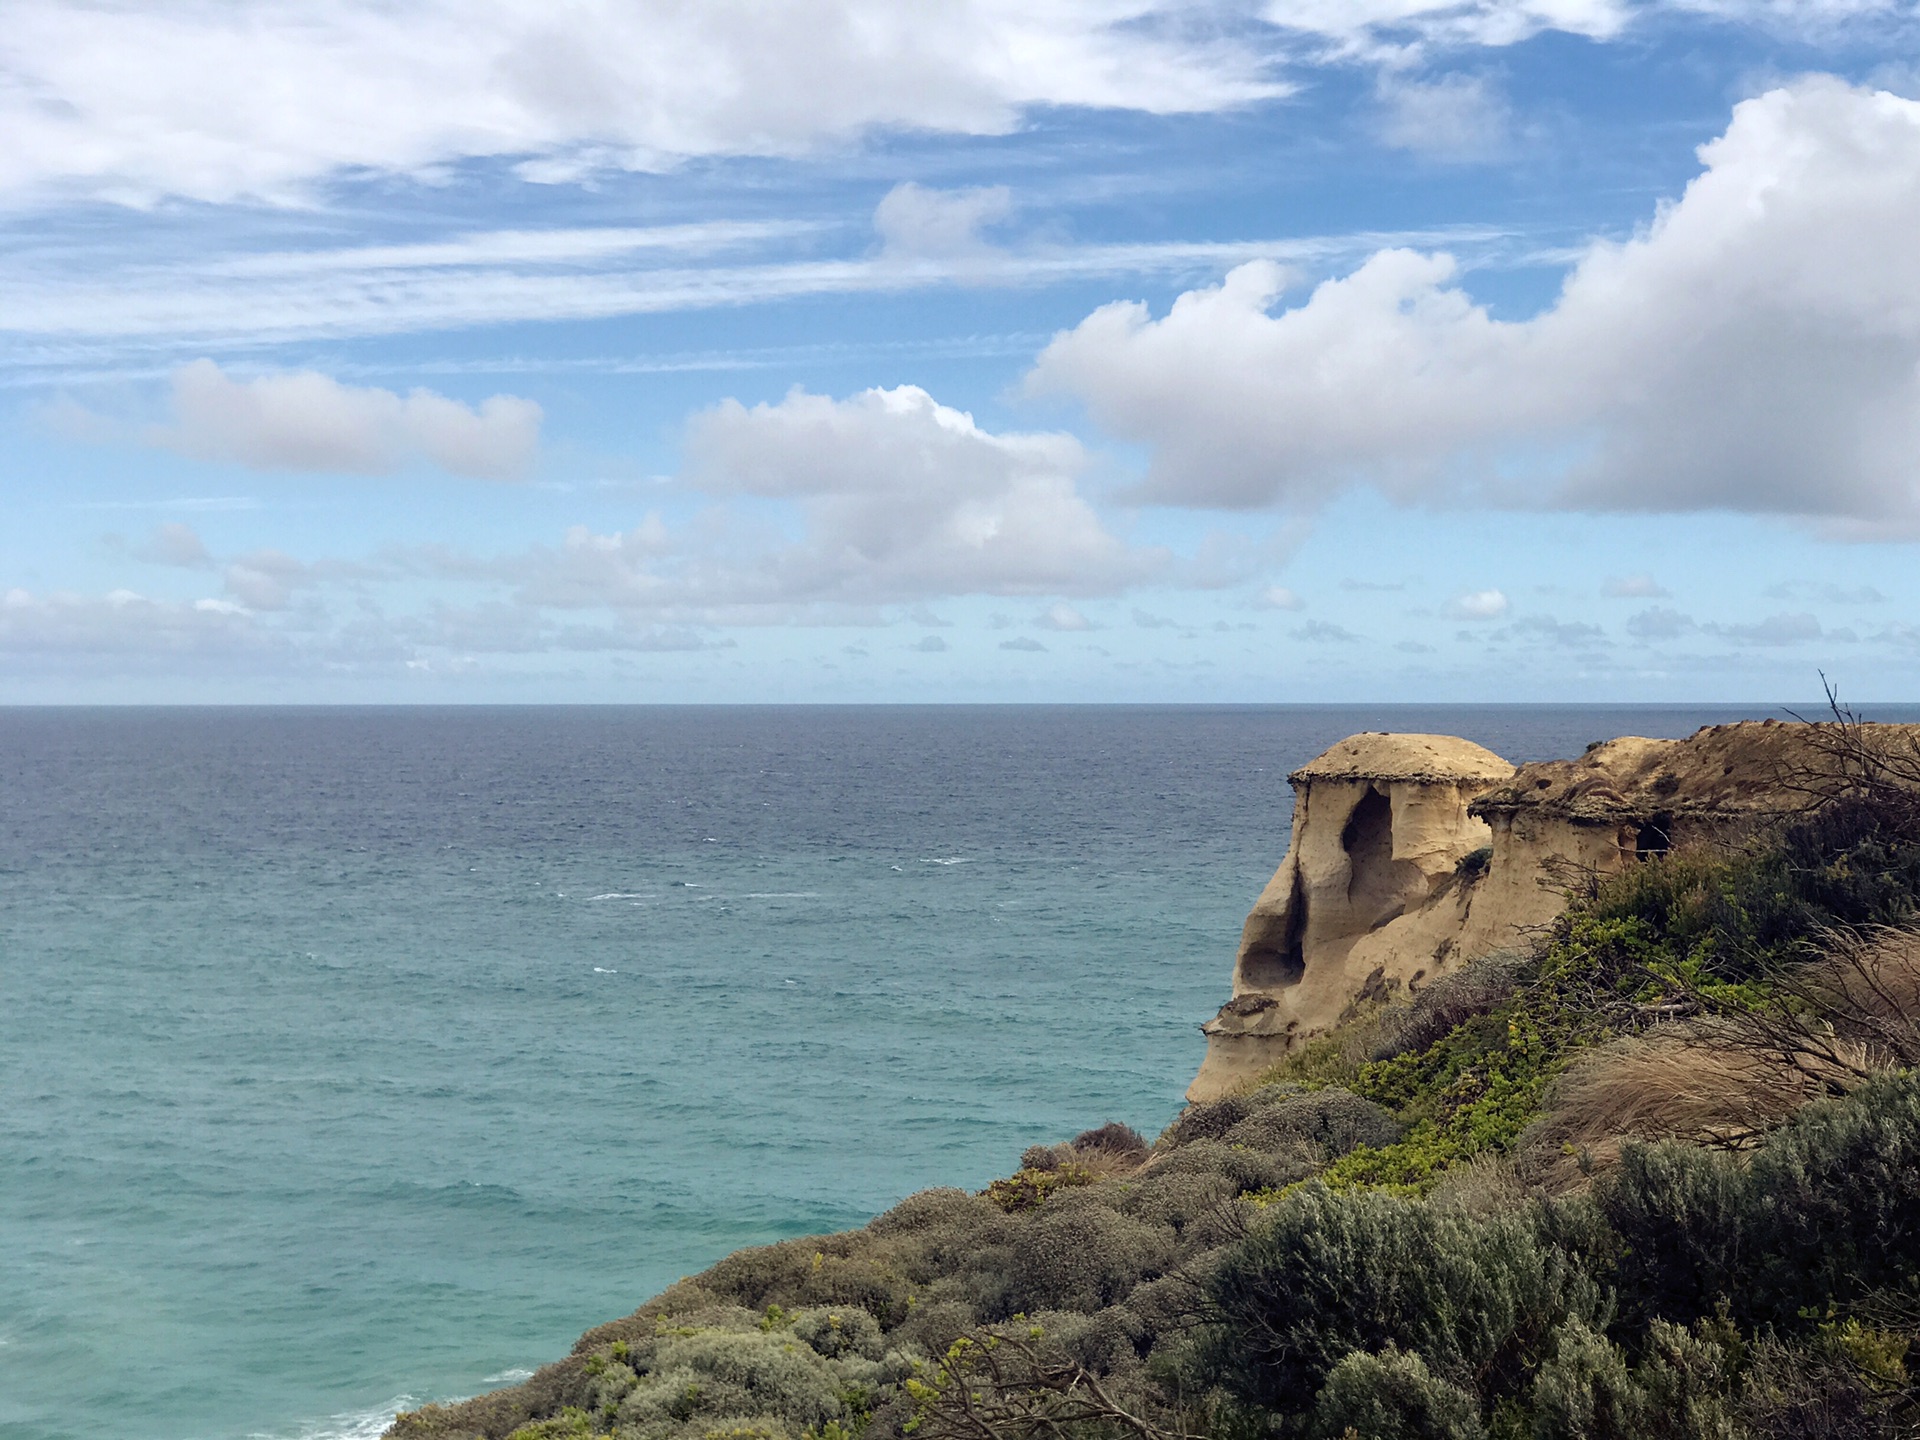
column 1573, row 1099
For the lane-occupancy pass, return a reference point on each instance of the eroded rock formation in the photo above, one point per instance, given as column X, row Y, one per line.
column 1411, row 854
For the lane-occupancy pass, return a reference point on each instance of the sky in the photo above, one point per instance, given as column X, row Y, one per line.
column 959, row 351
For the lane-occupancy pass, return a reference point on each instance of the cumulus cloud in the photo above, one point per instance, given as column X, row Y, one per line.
column 1279, row 597
column 1478, row 605
column 122, row 622
column 1022, row 642
column 266, row 579
column 1324, row 632
column 303, row 420
column 133, row 102
column 903, row 498
column 1753, row 348
column 915, row 222
column 1659, row 622
column 1063, row 618
column 929, row 645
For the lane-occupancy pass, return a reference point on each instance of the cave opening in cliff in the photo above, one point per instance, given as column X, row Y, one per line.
column 1654, row 837
column 1270, row 966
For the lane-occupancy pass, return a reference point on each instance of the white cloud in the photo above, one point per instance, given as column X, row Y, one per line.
column 122, row 622
column 1279, row 597
column 915, row 222
column 130, row 300
column 1478, row 605
column 1063, row 618
column 905, row 498
column 304, row 420
column 1392, row 30
column 1450, row 117
column 1753, row 349
column 131, row 102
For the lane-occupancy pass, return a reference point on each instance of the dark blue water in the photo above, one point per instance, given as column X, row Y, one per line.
column 351, row 1058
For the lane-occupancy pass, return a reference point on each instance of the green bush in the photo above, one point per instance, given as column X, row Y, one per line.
column 1329, row 1273
column 838, row 1333
column 1828, row 1209
column 717, row 1374
column 1083, row 1256
column 1392, row 1396
column 1584, row 1392
column 1327, row 1123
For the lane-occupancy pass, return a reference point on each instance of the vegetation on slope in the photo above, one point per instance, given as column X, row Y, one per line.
column 1456, row 1217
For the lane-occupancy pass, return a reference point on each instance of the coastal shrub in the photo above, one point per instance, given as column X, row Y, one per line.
column 1584, row 1391
column 718, row 1374
column 1392, row 1396
column 1208, row 1120
column 1117, row 1142
column 1243, row 1169
column 1429, row 1014
column 932, row 1325
column 1184, row 1203
column 1329, row 1273
column 1811, row 1392
column 1826, row 1209
column 836, row 1333
column 1029, row 1189
column 1083, row 1256
column 1325, row 1123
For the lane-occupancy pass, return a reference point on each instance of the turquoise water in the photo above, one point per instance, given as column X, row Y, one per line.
column 355, row 1058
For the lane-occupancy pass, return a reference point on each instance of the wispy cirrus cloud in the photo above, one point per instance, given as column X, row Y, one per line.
column 50, row 315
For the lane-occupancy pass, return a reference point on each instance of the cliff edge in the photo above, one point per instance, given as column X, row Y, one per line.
column 1413, row 854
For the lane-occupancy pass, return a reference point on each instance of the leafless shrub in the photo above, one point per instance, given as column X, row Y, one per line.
column 1010, row 1385
column 1851, row 759
column 1834, row 1020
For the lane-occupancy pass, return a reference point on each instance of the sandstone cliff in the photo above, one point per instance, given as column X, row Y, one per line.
column 1411, row 854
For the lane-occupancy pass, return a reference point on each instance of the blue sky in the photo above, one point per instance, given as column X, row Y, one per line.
column 848, row 350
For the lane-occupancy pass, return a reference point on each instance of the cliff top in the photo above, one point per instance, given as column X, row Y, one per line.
column 1728, row 770
column 1415, row 759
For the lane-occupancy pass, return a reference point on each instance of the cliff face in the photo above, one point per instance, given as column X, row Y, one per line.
column 1411, row 854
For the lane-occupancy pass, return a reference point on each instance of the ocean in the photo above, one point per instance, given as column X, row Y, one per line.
column 354, row 1058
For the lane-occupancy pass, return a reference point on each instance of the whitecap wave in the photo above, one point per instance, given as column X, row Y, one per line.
column 950, row 860
column 624, row 895
column 350, row 1425
column 507, row 1377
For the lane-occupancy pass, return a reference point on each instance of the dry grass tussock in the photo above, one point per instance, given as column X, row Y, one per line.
column 1699, row 1083
column 1863, row 995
